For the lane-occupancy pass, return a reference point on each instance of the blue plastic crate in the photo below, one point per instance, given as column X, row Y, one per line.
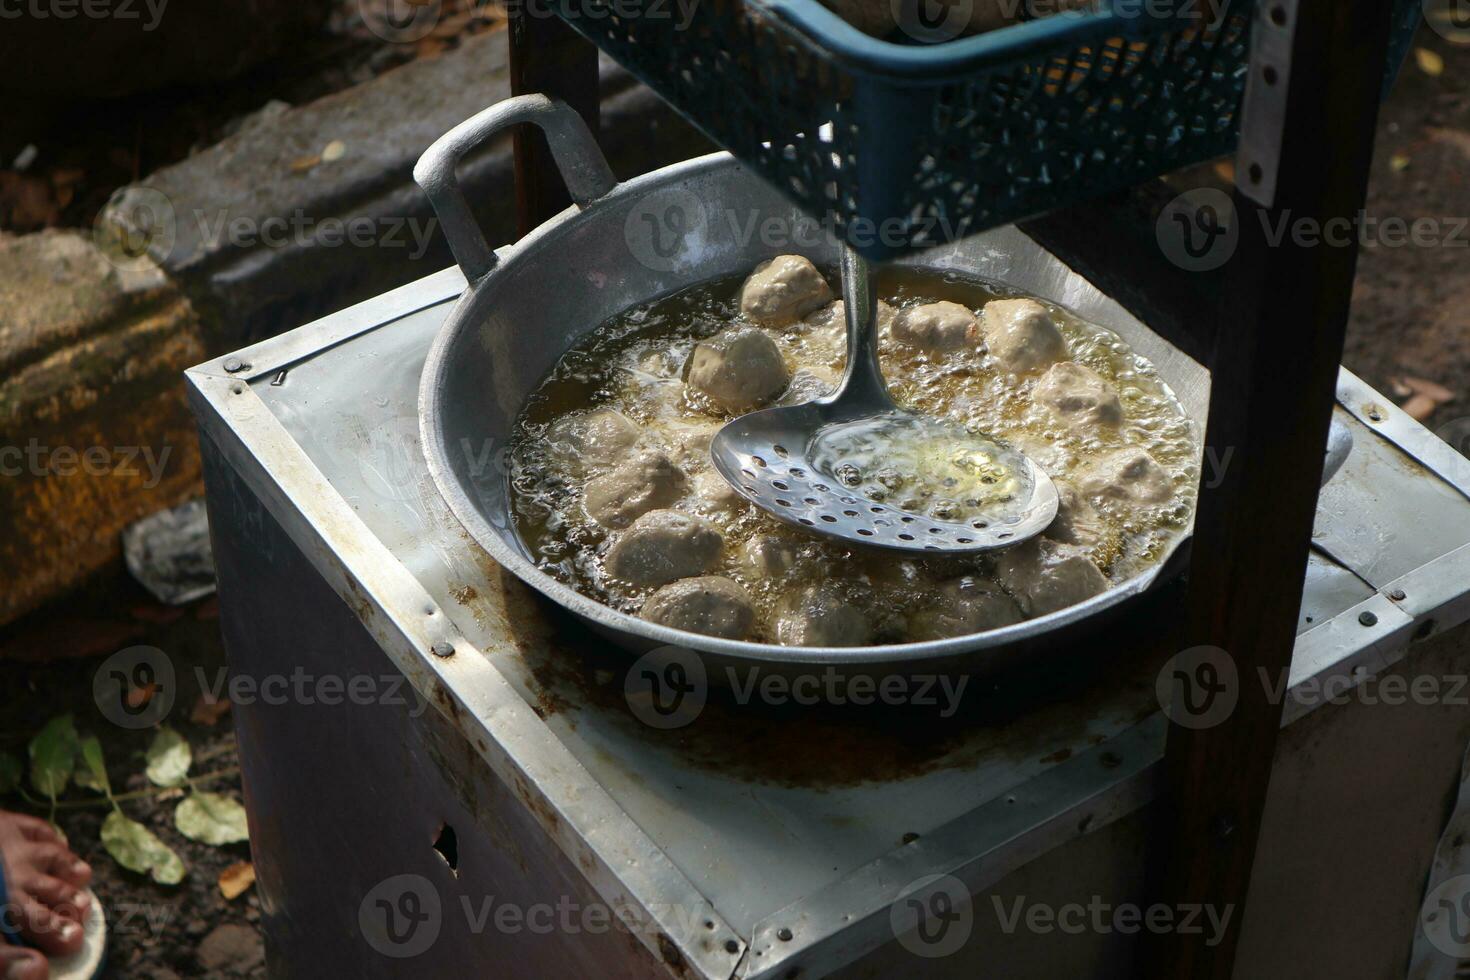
column 903, row 146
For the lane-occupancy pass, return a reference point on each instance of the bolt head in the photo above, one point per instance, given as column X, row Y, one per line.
column 233, row 364
column 442, row 649
column 1398, row 595
column 1367, row 618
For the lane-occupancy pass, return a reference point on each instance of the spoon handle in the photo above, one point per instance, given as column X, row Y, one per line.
column 862, row 382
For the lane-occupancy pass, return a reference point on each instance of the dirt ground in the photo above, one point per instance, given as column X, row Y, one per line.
column 1410, row 314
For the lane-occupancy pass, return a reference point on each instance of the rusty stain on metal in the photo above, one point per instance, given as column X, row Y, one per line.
column 465, row 594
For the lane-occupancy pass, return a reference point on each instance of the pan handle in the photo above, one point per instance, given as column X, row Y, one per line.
column 583, row 168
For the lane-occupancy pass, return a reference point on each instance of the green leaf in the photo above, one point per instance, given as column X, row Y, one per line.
column 168, row 758
column 212, row 819
column 138, row 849
column 53, row 754
column 91, row 771
column 10, row 773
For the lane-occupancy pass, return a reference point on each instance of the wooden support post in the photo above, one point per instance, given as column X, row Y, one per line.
column 547, row 57
column 1283, row 314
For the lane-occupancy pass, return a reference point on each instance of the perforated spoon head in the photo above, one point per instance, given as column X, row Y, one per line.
column 970, row 492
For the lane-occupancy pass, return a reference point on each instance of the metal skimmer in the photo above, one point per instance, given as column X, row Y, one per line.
column 778, row 458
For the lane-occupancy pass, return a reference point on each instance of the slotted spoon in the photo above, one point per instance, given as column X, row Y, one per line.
column 780, row 458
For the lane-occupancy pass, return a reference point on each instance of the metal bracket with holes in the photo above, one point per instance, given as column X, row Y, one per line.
column 1263, row 113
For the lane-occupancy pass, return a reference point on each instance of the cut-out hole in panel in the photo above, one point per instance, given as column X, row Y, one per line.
column 447, row 844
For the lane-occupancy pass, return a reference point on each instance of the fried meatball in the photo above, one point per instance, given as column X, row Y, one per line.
column 593, row 441
column 713, row 492
column 821, row 616
column 766, row 556
column 1077, row 521
column 711, row 604
column 783, row 290
column 1078, row 396
column 1045, row 576
column 648, row 480
column 1020, row 335
column 739, row 370
column 664, row 545
column 935, row 327
column 965, row 605
column 1128, row 475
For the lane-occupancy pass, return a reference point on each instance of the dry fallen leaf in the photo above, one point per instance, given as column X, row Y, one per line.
column 1398, row 163
column 236, row 880
column 1424, row 396
column 1430, row 63
column 301, row 164
column 333, row 151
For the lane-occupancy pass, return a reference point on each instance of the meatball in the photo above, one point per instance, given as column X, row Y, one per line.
column 820, row 616
column 664, row 545
column 1128, row 475
column 1077, row 521
column 783, row 290
column 1045, row 576
column 966, row 605
column 1078, row 396
column 935, row 327
column 712, row 492
column 738, row 370
column 648, row 480
column 766, row 556
column 1020, row 334
column 595, row 440
column 712, row 605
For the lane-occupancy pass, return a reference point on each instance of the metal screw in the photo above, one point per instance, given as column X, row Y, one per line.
column 1367, row 618
column 1397, row 595
column 234, row 364
column 442, row 649
column 783, row 934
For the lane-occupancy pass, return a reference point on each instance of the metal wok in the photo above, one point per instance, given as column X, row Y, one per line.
column 624, row 244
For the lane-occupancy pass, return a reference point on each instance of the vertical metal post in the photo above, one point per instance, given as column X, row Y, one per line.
column 1283, row 315
column 547, row 57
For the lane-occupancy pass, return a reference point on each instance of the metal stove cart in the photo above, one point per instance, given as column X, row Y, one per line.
column 477, row 794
